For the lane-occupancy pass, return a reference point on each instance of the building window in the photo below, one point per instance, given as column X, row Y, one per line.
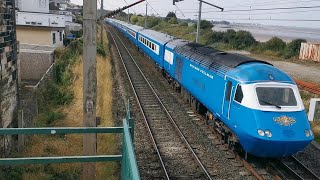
column 53, row 38
column 60, row 33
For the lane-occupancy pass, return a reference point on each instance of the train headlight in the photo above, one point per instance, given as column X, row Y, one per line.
column 311, row 133
column 260, row 132
column 268, row 133
column 307, row 133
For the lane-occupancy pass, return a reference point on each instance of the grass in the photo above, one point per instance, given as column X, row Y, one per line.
column 316, row 130
column 71, row 115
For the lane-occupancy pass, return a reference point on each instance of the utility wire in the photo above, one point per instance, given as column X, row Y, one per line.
column 153, row 9
column 264, row 4
column 266, row 9
column 180, row 11
column 271, row 3
column 302, row 20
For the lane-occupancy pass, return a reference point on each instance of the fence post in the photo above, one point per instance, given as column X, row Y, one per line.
column 130, row 120
column 20, row 136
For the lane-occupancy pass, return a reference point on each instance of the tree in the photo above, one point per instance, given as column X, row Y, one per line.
column 171, row 15
column 293, row 48
column 204, row 24
column 275, row 44
column 134, row 19
column 242, row 39
column 173, row 21
column 153, row 21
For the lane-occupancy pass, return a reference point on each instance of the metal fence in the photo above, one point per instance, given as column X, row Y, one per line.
column 129, row 168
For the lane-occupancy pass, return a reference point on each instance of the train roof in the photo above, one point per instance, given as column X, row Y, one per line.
column 177, row 42
column 135, row 27
column 158, row 36
column 213, row 59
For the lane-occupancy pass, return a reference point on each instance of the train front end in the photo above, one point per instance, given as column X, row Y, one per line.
column 280, row 126
column 269, row 118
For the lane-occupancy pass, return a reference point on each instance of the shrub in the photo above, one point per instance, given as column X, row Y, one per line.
column 184, row 24
column 101, row 50
column 173, row 21
column 204, row 24
column 242, row 39
column 293, row 48
column 275, row 44
column 134, row 19
column 215, row 37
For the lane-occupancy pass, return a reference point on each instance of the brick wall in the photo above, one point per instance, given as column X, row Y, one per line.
column 8, row 69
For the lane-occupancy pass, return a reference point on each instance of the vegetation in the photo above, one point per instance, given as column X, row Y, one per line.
column 61, row 105
column 240, row 40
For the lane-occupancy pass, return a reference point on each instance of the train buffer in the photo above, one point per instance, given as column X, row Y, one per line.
column 129, row 168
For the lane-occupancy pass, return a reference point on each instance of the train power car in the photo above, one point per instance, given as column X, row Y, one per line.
column 250, row 102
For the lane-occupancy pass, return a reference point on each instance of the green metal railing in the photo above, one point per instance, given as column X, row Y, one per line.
column 129, row 168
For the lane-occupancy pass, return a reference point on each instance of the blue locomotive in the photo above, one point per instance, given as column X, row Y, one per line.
column 251, row 103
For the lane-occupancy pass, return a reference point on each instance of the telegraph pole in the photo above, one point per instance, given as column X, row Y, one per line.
column 199, row 20
column 199, row 16
column 145, row 19
column 89, row 84
column 101, row 17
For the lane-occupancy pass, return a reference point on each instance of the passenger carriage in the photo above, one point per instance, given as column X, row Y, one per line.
column 250, row 102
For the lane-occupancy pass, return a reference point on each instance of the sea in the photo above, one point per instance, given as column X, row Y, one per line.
column 263, row 33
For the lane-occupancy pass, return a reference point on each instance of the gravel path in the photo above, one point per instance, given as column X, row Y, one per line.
column 299, row 71
column 308, row 72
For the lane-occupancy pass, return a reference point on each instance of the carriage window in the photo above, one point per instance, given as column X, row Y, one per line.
column 239, row 95
column 228, row 91
column 276, row 96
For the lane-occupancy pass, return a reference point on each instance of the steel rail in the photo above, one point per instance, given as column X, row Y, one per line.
column 304, row 170
column 168, row 114
column 141, row 110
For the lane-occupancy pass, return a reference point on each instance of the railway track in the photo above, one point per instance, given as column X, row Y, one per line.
column 176, row 156
column 150, row 107
column 292, row 168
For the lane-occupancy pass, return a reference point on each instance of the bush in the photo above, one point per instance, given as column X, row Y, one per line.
column 53, row 116
column 134, row 19
column 242, row 39
column 275, row 44
column 293, row 48
column 101, row 50
column 173, row 21
column 215, row 37
column 184, row 24
column 204, row 24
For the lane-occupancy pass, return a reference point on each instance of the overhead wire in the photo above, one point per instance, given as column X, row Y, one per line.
column 180, row 11
column 153, row 8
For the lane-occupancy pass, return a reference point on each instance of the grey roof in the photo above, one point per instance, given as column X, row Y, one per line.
column 158, row 36
column 213, row 59
column 135, row 27
column 177, row 42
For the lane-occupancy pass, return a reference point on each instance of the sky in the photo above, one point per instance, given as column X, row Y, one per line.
column 250, row 11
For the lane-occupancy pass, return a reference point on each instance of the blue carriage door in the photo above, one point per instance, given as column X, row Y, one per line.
column 178, row 71
column 227, row 100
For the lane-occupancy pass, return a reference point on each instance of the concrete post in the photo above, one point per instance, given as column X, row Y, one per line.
column 89, row 84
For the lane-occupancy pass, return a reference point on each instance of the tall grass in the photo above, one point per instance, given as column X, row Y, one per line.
column 62, row 101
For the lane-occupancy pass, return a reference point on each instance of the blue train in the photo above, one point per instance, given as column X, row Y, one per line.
column 251, row 103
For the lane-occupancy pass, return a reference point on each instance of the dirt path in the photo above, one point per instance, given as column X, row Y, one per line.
column 306, row 71
column 299, row 71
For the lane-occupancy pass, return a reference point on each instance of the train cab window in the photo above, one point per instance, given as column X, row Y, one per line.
column 228, row 91
column 239, row 94
column 276, row 96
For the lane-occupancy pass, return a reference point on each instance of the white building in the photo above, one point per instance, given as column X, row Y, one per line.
column 36, row 26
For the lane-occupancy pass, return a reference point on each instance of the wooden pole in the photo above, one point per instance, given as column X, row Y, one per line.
column 89, row 84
